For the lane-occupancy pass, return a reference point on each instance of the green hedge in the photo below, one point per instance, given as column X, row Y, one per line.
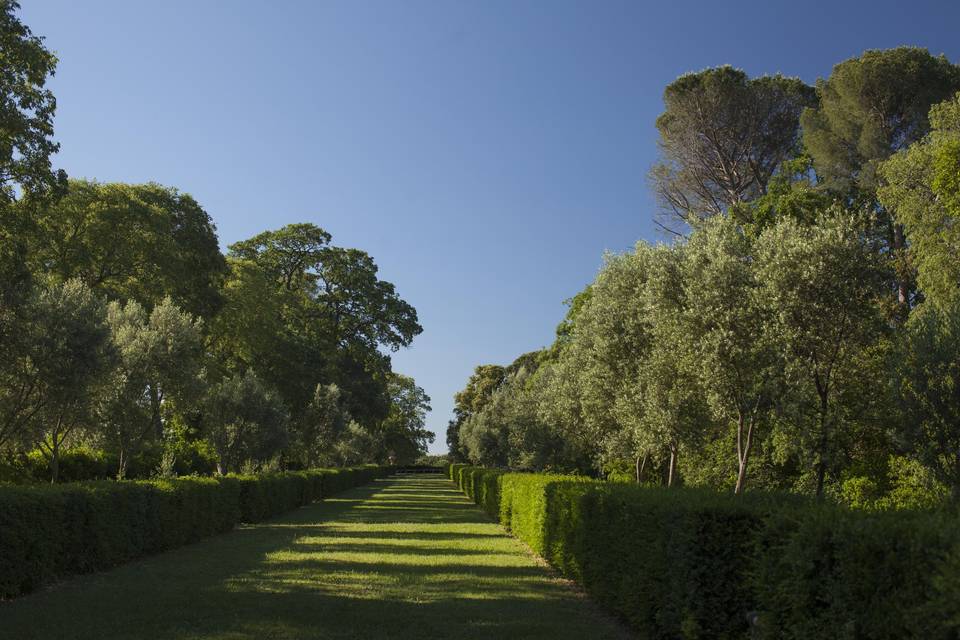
column 686, row 563
column 50, row 531
column 480, row 484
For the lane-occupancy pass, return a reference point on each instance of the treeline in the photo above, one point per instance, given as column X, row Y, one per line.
column 801, row 329
column 127, row 334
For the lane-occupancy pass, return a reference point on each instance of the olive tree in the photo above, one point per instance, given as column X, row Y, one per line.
column 729, row 323
column 159, row 359
column 245, row 421
column 46, row 388
column 822, row 284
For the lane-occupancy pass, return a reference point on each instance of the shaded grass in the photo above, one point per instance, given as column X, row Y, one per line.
column 406, row 557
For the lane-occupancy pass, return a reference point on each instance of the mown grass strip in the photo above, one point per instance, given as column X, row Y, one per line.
column 401, row 558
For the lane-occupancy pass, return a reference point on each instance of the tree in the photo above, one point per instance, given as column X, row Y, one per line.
column 26, row 114
column 664, row 408
column 405, row 434
column 922, row 186
column 72, row 335
column 870, row 108
column 722, row 137
column 735, row 354
column 485, row 435
column 340, row 286
column 358, row 445
column 822, row 284
column 138, row 242
column 158, row 368
column 27, row 108
column 245, row 421
column 926, row 369
column 609, row 342
column 322, row 426
column 334, row 315
column 62, row 356
column 484, row 380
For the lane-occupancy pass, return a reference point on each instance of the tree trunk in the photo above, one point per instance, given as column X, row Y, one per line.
column 55, row 441
column 55, row 462
column 899, row 248
column 670, row 470
column 641, row 463
column 744, row 442
column 122, row 467
column 822, row 462
column 156, row 420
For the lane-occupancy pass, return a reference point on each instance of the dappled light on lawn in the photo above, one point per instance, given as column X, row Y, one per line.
column 403, row 557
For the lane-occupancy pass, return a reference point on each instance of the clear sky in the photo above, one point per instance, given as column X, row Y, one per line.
column 485, row 153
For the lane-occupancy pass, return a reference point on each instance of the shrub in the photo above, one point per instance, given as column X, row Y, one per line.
column 50, row 531
column 480, row 484
column 691, row 563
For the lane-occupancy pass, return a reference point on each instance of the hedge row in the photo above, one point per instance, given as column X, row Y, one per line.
column 685, row 563
column 51, row 531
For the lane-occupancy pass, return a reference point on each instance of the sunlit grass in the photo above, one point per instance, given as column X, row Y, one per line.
column 403, row 558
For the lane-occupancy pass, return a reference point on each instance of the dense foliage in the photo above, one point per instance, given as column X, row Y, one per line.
column 694, row 563
column 128, row 338
column 798, row 332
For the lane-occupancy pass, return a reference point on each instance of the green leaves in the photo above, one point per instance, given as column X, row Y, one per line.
column 132, row 242
column 870, row 107
column 26, row 111
column 922, row 189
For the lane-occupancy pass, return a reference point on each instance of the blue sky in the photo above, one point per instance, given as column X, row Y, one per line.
column 485, row 153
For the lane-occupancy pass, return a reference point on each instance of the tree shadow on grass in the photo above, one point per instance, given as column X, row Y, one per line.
column 404, row 558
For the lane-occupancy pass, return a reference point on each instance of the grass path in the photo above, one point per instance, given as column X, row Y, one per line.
column 401, row 558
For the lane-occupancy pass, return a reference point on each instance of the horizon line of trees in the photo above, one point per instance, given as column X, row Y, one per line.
column 124, row 328
column 801, row 329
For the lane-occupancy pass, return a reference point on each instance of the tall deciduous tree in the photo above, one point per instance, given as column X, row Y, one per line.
column 138, row 242
column 666, row 409
column 26, row 145
column 333, row 313
column 404, row 430
column 609, row 341
column 26, row 110
column 723, row 136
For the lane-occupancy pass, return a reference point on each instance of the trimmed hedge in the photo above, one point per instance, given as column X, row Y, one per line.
column 51, row 531
column 686, row 563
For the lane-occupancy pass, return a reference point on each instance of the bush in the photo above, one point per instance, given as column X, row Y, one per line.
column 50, row 531
column 690, row 563
column 480, row 484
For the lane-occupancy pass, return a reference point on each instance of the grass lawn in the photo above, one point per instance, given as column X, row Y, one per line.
column 402, row 558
